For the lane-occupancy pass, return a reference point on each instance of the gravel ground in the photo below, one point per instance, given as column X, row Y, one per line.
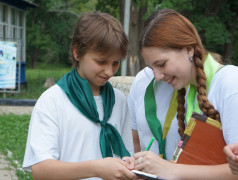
column 19, row 110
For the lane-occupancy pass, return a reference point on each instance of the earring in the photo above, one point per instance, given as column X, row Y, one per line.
column 191, row 58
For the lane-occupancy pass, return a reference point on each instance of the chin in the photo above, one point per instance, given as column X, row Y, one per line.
column 178, row 87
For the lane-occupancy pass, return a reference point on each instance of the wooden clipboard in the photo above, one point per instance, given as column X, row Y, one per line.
column 202, row 143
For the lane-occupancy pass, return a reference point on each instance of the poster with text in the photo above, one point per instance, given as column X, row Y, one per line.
column 8, row 53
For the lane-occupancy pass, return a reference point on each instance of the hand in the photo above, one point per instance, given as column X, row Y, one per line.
column 151, row 163
column 114, row 169
column 231, row 152
column 130, row 162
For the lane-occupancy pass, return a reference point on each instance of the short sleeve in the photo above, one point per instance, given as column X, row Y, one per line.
column 43, row 135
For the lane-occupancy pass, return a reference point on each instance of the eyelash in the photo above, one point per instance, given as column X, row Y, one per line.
column 161, row 65
column 103, row 62
column 100, row 62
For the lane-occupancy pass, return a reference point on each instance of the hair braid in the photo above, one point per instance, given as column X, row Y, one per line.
column 203, row 102
column 181, row 111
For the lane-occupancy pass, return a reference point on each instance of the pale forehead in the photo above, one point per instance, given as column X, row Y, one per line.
column 158, row 53
column 153, row 53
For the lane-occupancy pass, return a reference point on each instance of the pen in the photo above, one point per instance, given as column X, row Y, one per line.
column 150, row 143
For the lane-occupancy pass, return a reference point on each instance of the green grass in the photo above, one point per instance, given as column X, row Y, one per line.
column 13, row 135
column 14, row 128
column 35, row 80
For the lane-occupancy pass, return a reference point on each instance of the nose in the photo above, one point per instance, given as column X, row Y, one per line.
column 109, row 71
column 158, row 75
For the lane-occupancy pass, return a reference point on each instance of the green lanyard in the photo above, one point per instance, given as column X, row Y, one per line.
column 210, row 67
column 153, row 121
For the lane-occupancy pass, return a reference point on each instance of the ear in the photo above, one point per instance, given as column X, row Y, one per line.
column 190, row 51
column 75, row 53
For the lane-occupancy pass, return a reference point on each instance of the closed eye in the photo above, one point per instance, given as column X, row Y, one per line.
column 101, row 62
column 161, row 65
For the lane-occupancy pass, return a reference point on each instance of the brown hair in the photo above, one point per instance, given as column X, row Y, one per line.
column 100, row 33
column 169, row 29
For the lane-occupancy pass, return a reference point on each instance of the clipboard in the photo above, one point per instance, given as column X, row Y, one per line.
column 202, row 143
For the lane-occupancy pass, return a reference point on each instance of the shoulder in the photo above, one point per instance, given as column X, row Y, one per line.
column 53, row 95
column 141, row 81
column 225, row 81
column 53, row 92
column 119, row 94
column 143, row 77
column 228, row 72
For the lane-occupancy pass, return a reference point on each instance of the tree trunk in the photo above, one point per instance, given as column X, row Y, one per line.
column 122, row 11
column 134, row 60
column 228, row 46
column 34, row 57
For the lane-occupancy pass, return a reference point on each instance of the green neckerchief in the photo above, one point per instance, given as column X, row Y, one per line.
column 80, row 94
column 210, row 68
column 153, row 121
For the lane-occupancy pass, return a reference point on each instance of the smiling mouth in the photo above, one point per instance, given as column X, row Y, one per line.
column 171, row 80
column 104, row 78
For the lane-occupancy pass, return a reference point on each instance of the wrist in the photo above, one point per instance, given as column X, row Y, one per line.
column 174, row 171
column 96, row 168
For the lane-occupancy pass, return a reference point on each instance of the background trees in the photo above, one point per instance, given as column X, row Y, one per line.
column 50, row 26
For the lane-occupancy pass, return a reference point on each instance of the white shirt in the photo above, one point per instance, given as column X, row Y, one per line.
column 58, row 130
column 163, row 94
column 223, row 95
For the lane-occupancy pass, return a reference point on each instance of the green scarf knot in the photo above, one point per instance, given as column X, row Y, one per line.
column 80, row 94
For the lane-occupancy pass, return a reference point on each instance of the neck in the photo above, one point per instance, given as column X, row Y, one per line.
column 193, row 76
column 95, row 90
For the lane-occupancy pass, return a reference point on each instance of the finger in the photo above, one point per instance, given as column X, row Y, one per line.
column 228, row 152
column 129, row 162
column 139, row 167
column 140, row 154
column 129, row 174
column 121, row 161
column 233, row 148
column 235, row 172
column 232, row 162
column 233, row 166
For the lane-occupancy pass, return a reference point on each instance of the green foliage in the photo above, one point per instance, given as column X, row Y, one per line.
column 49, row 30
column 13, row 138
column 109, row 6
column 235, row 50
column 177, row 5
column 213, row 32
column 50, row 26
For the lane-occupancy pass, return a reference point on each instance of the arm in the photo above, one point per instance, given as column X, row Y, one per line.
column 231, row 152
column 152, row 163
column 108, row 168
column 126, row 133
column 136, row 141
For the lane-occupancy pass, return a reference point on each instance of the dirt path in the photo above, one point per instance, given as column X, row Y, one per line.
column 19, row 110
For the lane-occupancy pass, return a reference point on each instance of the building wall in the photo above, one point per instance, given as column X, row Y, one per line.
column 12, row 28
